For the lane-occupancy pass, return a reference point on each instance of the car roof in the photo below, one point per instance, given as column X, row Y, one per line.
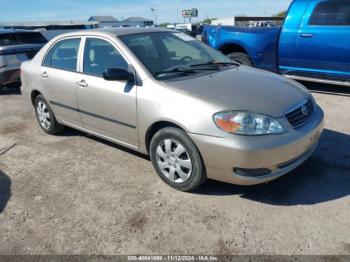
column 118, row 31
column 132, row 30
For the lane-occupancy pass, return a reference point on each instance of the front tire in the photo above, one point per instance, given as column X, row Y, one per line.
column 177, row 160
column 241, row 58
column 46, row 117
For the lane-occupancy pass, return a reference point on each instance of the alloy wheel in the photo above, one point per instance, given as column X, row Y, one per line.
column 43, row 115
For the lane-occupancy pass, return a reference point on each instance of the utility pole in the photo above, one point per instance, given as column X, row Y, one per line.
column 155, row 16
column 153, row 10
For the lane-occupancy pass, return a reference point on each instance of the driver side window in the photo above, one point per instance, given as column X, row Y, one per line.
column 100, row 55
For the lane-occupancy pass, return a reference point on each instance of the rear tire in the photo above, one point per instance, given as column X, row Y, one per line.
column 241, row 58
column 45, row 116
column 177, row 160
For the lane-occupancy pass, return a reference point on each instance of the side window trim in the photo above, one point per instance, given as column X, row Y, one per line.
column 54, row 44
column 81, row 63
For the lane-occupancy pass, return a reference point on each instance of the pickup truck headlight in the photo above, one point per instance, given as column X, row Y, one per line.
column 247, row 123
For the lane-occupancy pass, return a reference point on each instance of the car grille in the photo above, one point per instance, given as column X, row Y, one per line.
column 300, row 116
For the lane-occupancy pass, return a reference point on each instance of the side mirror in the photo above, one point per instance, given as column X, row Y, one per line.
column 118, row 74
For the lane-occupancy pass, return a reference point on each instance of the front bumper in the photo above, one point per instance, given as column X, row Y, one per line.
column 278, row 153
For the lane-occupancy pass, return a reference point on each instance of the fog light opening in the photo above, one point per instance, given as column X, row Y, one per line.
column 252, row 172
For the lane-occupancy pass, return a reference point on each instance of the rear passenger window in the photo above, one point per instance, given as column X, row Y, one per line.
column 64, row 55
column 100, row 55
column 331, row 13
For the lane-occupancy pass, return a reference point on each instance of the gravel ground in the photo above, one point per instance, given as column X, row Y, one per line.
column 76, row 194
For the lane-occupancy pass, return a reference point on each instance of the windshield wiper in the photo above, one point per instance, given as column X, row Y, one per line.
column 181, row 70
column 215, row 63
column 174, row 71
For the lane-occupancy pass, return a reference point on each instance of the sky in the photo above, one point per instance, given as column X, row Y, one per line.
column 167, row 10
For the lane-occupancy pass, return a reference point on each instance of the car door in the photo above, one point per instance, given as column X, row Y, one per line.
column 107, row 108
column 59, row 78
column 322, row 43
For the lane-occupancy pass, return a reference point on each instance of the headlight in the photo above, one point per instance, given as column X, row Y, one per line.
column 247, row 123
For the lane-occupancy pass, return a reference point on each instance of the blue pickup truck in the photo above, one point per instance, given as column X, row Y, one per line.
column 312, row 45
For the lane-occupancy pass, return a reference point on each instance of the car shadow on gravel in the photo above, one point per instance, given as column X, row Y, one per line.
column 73, row 132
column 8, row 92
column 324, row 177
column 5, row 190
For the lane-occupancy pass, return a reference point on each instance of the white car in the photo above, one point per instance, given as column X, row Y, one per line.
column 16, row 47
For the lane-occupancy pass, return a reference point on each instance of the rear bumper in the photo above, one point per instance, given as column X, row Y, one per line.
column 278, row 154
column 9, row 76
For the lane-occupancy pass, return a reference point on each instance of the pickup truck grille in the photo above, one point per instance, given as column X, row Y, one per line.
column 300, row 116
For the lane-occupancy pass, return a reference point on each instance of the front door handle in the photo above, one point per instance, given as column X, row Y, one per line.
column 82, row 83
column 307, row 35
column 44, row 75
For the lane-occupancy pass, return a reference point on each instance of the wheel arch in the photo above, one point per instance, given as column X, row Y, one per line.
column 155, row 127
column 229, row 48
column 232, row 47
column 33, row 95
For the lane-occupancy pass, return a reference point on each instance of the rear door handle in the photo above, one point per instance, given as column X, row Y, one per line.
column 82, row 83
column 306, row 35
column 44, row 75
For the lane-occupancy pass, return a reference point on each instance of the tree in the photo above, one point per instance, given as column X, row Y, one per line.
column 281, row 14
column 164, row 25
column 208, row 20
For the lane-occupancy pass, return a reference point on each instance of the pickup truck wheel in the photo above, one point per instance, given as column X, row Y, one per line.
column 241, row 58
column 177, row 160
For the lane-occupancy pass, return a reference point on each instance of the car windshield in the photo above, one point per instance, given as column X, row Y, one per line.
column 175, row 54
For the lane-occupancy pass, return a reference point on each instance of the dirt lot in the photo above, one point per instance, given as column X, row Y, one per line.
column 76, row 194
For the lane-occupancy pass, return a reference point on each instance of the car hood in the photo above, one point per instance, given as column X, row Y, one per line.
column 246, row 88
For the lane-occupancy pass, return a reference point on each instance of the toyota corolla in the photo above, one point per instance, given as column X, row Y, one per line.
column 196, row 113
